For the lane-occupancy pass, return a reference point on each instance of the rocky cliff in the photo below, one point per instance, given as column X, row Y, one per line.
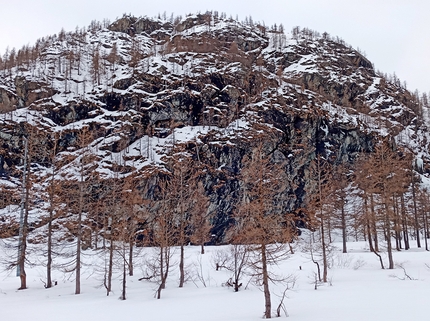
column 206, row 85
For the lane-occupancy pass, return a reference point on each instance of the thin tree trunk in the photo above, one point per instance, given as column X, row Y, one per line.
column 322, row 229
column 396, row 224
column 414, row 201
column 130, row 258
column 124, row 273
column 51, row 218
column 164, row 268
column 110, row 266
column 23, row 249
column 373, row 222
column 380, row 259
column 265, row 276
column 78, row 256
column 162, row 281
column 404, row 222
column 22, row 245
column 369, row 233
column 425, row 222
column 181, row 267
column 388, row 236
column 324, row 252
column 343, row 223
column 425, row 231
column 49, row 254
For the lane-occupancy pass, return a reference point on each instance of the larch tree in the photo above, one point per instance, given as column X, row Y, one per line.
column 179, row 188
column 96, row 69
column 200, row 214
column 319, row 207
column 31, row 144
column 23, row 225
column 259, row 220
column 112, row 209
column 126, row 226
column 162, row 234
column 53, row 189
column 132, row 202
column 385, row 176
column 76, row 195
column 341, row 180
column 113, row 58
column 363, row 183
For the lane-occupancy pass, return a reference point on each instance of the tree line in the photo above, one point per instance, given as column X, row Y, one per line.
column 378, row 199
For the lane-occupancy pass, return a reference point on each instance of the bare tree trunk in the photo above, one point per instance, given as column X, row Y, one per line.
column 164, row 268
column 51, row 218
column 181, row 267
column 23, row 247
column 324, row 252
column 79, row 236
column 373, row 222
column 427, row 218
column 343, row 224
column 388, row 236
column 425, row 230
column 322, row 219
column 425, row 222
column 404, row 222
column 78, row 255
column 49, row 254
column 265, row 276
column 162, row 281
column 130, row 259
column 414, row 201
column 313, row 260
column 22, row 243
column 380, row 259
column 369, row 234
column 124, row 273
column 110, row 267
column 397, row 231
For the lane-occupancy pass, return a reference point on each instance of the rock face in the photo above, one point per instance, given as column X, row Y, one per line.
column 214, row 88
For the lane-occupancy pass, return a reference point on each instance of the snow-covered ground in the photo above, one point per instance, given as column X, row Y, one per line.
column 358, row 290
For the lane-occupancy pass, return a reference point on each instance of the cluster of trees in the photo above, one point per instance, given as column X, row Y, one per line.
column 107, row 214
column 379, row 200
column 72, row 57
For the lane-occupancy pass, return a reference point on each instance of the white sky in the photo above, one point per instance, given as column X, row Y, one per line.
column 395, row 34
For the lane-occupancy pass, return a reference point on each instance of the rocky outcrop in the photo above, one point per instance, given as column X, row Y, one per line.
column 27, row 92
column 8, row 100
column 215, row 89
column 132, row 25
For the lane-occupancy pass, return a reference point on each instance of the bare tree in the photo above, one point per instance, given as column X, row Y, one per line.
column 259, row 222
column 340, row 184
column 53, row 190
column 23, row 225
column 179, row 192
column 384, row 176
column 200, row 216
column 162, row 235
column 318, row 205
column 76, row 195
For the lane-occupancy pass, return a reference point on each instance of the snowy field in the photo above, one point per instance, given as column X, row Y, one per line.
column 358, row 290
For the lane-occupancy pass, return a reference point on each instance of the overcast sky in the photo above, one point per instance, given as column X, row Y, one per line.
column 395, row 34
